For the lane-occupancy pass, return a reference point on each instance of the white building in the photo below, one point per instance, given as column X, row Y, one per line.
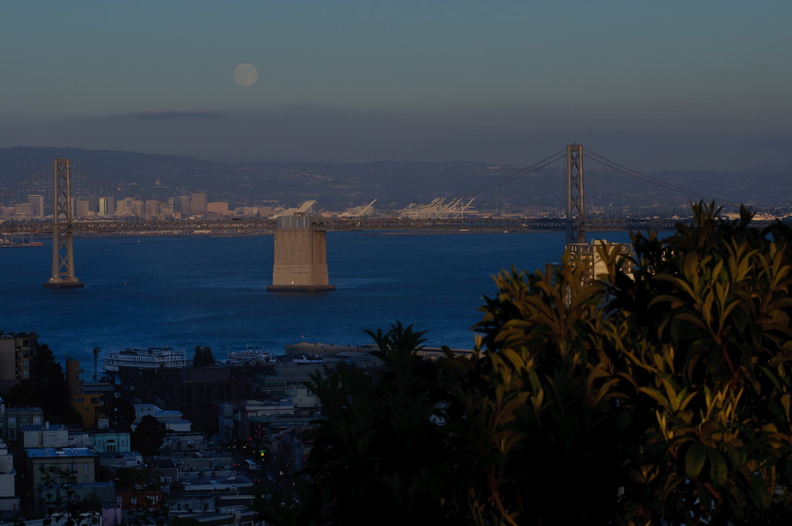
column 8, row 499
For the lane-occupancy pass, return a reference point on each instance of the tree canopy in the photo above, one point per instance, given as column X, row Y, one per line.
column 203, row 357
column 147, row 437
column 46, row 388
column 664, row 393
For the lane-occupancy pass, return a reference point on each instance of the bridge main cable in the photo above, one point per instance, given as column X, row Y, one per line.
column 651, row 180
column 522, row 172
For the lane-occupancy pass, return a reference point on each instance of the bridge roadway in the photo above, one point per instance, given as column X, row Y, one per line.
column 255, row 226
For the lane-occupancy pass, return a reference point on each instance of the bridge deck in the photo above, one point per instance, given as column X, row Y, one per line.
column 254, row 226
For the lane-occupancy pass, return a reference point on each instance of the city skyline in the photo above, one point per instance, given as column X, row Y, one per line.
column 670, row 86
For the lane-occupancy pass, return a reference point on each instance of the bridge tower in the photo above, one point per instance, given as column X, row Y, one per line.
column 300, row 257
column 62, row 253
column 575, row 211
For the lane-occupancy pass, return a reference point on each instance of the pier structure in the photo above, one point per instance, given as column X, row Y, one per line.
column 62, row 253
column 300, row 257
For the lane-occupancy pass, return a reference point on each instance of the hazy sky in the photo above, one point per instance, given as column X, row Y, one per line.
column 674, row 84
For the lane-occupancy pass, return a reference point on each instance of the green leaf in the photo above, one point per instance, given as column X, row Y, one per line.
column 694, row 459
column 718, row 468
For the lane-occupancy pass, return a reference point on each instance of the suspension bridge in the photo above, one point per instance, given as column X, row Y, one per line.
column 575, row 219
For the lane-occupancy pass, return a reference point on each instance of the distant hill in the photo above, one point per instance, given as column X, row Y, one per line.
column 395, row 184
column 333, row 185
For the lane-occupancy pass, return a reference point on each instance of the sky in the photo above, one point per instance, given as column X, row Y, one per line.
column 694, row 84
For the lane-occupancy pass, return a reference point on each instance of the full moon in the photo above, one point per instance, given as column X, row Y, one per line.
column 245, row 75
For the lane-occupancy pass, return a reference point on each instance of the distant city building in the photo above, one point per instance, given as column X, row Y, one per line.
column 152, row 209
column 24, row 211
column 83, row 208
column 198, row 203
column 129, row 208
column 181, row 205
column 38, row 205
column 107, row 206
column 219, row 208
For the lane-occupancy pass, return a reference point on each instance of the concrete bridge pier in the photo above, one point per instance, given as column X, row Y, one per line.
column 300, row 257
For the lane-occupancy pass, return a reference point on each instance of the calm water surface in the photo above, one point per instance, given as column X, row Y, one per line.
column 186, row 291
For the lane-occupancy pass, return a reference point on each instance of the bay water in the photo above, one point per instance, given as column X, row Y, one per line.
column 184, row 291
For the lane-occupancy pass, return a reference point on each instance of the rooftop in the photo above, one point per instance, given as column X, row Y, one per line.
column 49, row 452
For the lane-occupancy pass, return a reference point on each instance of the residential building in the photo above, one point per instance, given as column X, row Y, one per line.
column 51, row 472
column 8, row 498
column 111, row 442
column 44, row 436
column 196, row 392
column 87, row 400
column 16, row 417
column 16, row 350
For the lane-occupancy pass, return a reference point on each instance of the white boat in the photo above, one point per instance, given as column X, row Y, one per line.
column 151, row 358
column 250, row 356
column 307, row 359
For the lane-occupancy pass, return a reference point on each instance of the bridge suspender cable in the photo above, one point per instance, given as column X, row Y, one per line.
column 522, row 172
column 651, row 180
